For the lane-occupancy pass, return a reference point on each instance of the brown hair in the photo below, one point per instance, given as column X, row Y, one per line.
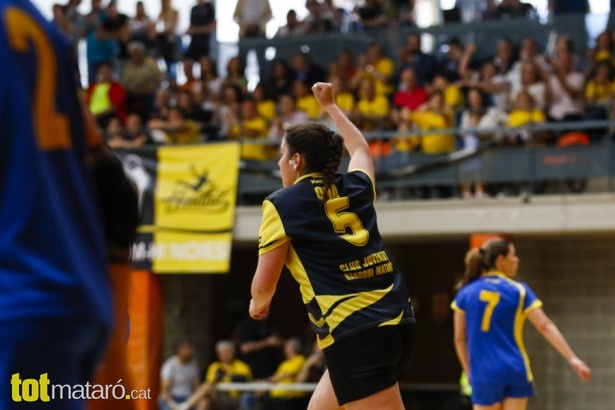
column 321, row 148
column 483, row 259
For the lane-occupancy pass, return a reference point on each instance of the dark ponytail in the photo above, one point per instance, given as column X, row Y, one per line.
column 483, row 259
column 321, row 148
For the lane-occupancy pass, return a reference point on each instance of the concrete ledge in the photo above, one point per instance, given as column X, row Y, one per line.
column 547, row 214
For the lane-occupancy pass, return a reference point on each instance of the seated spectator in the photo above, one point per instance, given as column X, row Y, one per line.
column 305, row 70
column 605, row 49
column 191, row 110
column 306, row 101
column 210, row 80
column 470, row 169
column 529, row 81
column 433, row 116
column 287, row 373
column 192, row 83
column 410, row 95
column 564, row 90
column 228, row 109
column 113, row 130
column 372, row 109
column 236, row 74
column 280, row 80
column 343, row 98
column 293, row 27
column 449, row 63
column 523, row 113
column 134, row 134
column 141, row 77
column 453, row 97
column 412, row 56
column 490, row 117
column 505, row 56
column 265, row 105
column 288, row 115
column 599, row 88
column 176, row 129
column 374, row 65
column 179, row 377
column 344, row 67
column 162, row 104
column 105, row 97
column 251, row 126
column 228, row 369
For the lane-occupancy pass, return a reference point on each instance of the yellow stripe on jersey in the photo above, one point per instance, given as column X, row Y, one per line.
column 393, row 321
column 271, row 234
column 518, row 328
column 293, row 263
column 535, row 305
column 456, row 308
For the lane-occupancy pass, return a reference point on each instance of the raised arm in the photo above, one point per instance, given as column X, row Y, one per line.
column 354, row 141
column 549, row 331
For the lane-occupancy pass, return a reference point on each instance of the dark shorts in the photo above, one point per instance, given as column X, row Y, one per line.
column 370, row 361
column 487, row 394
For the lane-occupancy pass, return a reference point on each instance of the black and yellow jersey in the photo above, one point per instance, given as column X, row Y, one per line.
column 347, row 279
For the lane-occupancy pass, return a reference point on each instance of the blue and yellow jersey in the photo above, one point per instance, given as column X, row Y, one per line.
column 53, row 260
column 346, row 276
column 496, row 307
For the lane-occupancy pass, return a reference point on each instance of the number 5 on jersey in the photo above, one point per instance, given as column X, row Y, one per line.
column 346, row 220
column 492, row 299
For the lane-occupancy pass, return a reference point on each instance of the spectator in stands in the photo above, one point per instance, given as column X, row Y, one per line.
column 305, row 69
column 564, row 94
column 371, row 14
column 372, row 109
column 176, row 129
column 293, row 27
column 343, row 98
column 490, row 117
column 202, row 24
column 142, row 28
column 209, row 76
column 228, row 109
column 452, row 58
column 259, row 346
column 179, row 376
column 116, row 29
column 287, row 373
column 453, row 97
column 227, row 369
column 434, row 116
column 605, row 48
column 505, row 56
column 190, row 109
column 59, row 19
column 305, row 100
column 141, row 78
column 162, row 104
column 288, row 115
column 525, row 112
column 251, row 126
column 105, row 97
column 374, row 65
column 236, row 74
column 167, row 39
column 113, row 130
column 134, row 134
column 98, row 50
column 470, row 169
column 280, row 81
column 529, row 81
column 412, row 56
column 192, row 83
column 488, row 79
column 344, row 67
column 265, row 105
column 314, row 366
column 252, row 17
column 599, row 90
column 410, row 95
column 315, row 20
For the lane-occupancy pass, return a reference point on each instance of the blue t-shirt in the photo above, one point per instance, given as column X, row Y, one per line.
column 52, row 253
column 496, row 307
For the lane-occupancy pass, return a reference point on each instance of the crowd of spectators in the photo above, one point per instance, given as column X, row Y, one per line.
column 136, row 102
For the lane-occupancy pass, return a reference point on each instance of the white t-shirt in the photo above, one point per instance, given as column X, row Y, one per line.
column 181, row 376
column 561, row 103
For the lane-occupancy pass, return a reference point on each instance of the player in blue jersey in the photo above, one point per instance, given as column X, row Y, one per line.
column 56, row 236
column 323, row 227
column 490, row 310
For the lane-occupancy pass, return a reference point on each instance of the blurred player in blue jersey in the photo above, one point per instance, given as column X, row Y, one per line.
column 323, row 226
column 60, row 219
column 490, row 310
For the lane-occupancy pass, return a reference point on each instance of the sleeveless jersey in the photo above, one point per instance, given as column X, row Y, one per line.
column 496, row 307
column 53, row 260
column 347, row 279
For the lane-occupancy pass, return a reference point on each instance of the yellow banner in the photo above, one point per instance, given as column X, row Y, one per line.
column 193, row 191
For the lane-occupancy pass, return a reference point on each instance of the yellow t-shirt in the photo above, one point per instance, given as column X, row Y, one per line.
column 267, row 110
column 453, row 96
column 99, row 100
column 237, row 371
column 378, row 107
column 385, row 66
column 599, row 93
column 434, row 143
column 345, row 101
column 189, row 135
column 310, row 106
column 258, row 130
column 293, row 367
column 518, row 118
